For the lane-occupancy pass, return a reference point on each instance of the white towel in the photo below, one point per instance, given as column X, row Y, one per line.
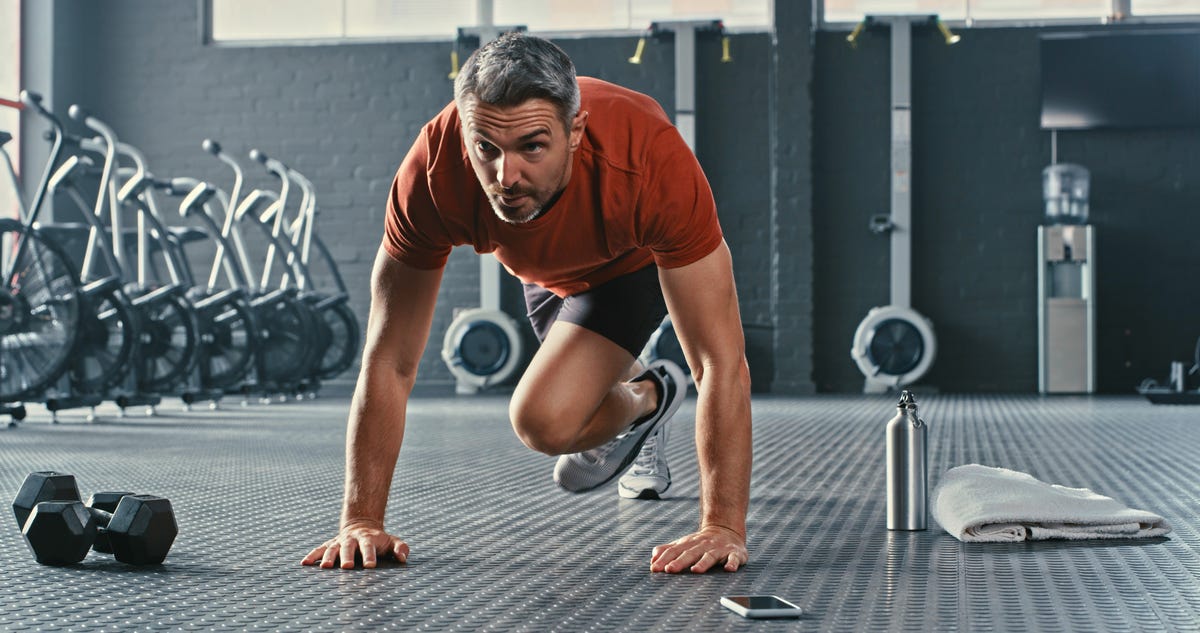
column 981, row 504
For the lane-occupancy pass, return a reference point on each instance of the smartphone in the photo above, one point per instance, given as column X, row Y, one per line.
column 761, row 606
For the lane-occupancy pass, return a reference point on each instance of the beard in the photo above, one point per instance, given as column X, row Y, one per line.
column 532, row 205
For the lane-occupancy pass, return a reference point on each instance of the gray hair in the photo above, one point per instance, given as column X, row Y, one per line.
column 515, row 68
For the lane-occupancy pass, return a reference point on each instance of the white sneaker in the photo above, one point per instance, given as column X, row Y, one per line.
column 650, row 476
column 593, row 468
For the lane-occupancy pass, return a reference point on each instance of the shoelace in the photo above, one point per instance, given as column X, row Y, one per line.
column 647, row 459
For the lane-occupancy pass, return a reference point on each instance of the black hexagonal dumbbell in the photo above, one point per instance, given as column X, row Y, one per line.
column 140, row 531
column 140, row 534
column 53, row 486
column 43, row 486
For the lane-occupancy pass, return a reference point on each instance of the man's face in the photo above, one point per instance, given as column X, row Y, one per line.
column 521, row 154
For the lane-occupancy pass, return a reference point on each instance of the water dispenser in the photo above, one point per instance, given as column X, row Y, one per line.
column 1066, row 284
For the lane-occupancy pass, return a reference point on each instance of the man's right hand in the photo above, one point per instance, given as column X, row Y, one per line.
column 365, row 537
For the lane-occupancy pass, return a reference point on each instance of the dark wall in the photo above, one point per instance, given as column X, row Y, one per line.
column 790, row 242
column 978, row 153
column 346, row 114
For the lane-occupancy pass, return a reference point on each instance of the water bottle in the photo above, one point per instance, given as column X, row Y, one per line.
column 906, row 467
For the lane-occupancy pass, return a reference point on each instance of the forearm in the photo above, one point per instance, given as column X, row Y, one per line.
column 723, row 445
column 373, row 437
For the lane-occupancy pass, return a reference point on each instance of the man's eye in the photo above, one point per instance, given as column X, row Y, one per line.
column 534, row 147
column 485, row 147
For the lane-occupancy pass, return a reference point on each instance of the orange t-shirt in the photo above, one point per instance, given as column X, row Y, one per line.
column 636, row 196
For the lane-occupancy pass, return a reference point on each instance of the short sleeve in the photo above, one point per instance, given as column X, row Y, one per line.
column 679, row 214
column 413, row 230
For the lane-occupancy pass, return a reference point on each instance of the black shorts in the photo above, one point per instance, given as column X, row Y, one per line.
column 626, row 310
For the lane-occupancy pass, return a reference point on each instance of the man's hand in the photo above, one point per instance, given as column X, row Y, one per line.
column 365, row 537
column 700, row 551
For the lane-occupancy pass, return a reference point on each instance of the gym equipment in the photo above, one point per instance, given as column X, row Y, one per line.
column 482, row 346
column 1176, row 390
column 167, row 338
column 126, row 320
column 42, row 486
column 684, row 32
column 297, row 339
column 140, row 531
column 894, row 345
column 336, row 321
column 663, row 343
column 40, row 309
column 231, row 335
column 137, row 339
column 106, row 502
column 60, row 529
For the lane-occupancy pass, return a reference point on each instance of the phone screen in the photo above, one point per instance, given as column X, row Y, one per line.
column 762, row 606
column 762, row 602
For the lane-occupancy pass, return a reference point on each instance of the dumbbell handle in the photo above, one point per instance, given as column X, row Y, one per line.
column 102, row 505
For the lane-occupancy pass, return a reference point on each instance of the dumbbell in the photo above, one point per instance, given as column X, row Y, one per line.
column 59, row 529
column 52, row 486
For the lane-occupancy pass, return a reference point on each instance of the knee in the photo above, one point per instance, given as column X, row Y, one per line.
column 542, row 429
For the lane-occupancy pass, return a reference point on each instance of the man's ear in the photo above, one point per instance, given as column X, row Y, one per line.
column 578, row 124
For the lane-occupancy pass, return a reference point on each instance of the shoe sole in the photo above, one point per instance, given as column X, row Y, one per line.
column 647, row 494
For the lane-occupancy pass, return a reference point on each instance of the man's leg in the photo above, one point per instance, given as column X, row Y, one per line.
column 573, row 396
column 584, row 397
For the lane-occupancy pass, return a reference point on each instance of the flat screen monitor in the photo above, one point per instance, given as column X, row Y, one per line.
column 1118, row 80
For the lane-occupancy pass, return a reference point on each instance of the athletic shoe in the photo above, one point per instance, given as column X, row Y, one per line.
column 650, row 476
column 593, row 468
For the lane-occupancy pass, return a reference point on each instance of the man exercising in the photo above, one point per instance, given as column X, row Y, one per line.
column 587, row 193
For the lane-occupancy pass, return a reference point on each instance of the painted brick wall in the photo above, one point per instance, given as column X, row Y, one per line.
column 791, row 223
column 346, row 115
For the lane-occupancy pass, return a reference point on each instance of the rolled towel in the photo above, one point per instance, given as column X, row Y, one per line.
column 982, row 504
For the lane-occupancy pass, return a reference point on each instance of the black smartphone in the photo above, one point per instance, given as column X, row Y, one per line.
column 761, row 606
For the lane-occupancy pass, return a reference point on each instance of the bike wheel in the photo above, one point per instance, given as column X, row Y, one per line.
column 168, row 341
column 287, row 332
column 227, row 343
column 106, row 342
column 343, row 340
column 39, row 312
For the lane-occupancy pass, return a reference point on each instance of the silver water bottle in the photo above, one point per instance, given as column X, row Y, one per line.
column 906, row 470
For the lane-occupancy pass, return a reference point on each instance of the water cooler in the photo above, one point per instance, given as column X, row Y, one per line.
column 1066, row 284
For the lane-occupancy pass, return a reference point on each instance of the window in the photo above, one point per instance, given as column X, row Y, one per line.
column 264, row 20
column 10, row 86
column 1010, row 10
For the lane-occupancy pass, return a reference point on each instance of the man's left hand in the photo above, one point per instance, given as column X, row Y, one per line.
column 700, row 551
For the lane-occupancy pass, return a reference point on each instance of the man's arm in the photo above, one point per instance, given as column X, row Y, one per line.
column 704, row 312
column 402, row 303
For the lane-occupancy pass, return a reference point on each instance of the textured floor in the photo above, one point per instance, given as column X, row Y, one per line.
column 495, row 547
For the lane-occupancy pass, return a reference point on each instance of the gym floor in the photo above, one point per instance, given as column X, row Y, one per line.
column 496, row 547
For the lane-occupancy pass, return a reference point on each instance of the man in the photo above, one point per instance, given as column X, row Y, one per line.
column 587, row 193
